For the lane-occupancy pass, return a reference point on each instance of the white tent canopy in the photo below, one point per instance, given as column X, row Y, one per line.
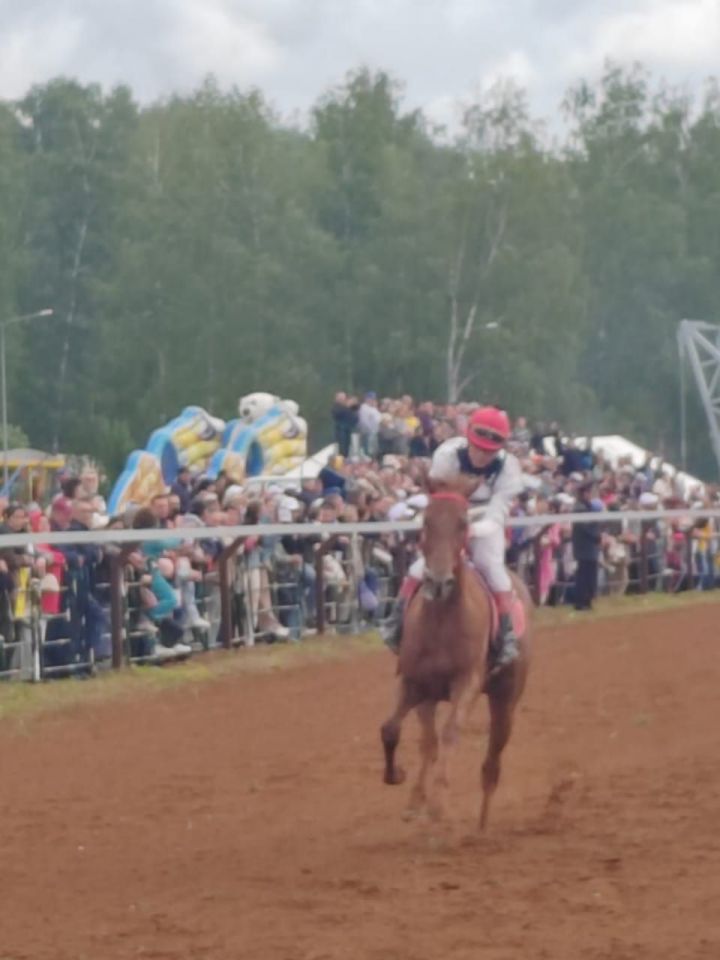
column 615, row 448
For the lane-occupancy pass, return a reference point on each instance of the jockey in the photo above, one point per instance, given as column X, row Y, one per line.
column 479, row 454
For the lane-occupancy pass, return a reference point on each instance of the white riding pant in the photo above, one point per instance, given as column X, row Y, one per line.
column 487, row 552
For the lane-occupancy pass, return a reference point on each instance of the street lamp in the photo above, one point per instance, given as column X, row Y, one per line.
column 4, row 324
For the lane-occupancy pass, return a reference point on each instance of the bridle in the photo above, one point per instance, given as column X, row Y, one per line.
column 442, row 591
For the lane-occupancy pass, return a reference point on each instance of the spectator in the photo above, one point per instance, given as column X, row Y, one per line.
column 295, row 555
column 258, row 552
column 175, row 509
column 311, row 491
column 69, row 486
column 425, row 416
column 188, row 575
column 160, row 507
column 15, row 563
column 419, row 445
column 332, row 478
column 162, row 610
column 234, row 504
column 88, row 621
column 89, row 490
column 651, row 534
column 586, row 539
column 61, row 512
column 387, row 482
column 54, row 627
column 345, row 418
column 182, row 488
column 550, row 539
column 369, row 424
column 573, row 459
column 520, row 438
column 222, row 482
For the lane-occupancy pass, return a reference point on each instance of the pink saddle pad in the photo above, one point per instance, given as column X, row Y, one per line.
column 518, row 613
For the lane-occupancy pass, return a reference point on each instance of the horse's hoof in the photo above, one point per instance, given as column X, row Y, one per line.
column 396, row 777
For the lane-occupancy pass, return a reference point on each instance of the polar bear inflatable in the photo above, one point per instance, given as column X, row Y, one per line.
column 269, row 437
column 255, row 406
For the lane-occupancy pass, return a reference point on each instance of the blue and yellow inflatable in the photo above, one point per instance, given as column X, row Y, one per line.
column 272, row 445
column 270, row 438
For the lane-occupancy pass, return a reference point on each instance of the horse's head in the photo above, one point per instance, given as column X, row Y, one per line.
column 443, row 538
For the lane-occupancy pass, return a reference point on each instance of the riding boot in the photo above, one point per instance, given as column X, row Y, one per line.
column 391, row 630
column 508, row 648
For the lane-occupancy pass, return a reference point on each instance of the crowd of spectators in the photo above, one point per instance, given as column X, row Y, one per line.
column 172, row 585
column 569, row 562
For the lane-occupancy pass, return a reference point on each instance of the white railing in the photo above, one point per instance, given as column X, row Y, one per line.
column 31, row 652
column 328, row 529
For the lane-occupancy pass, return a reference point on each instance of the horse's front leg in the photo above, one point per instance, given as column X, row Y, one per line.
column 390, row 732
column 460, row 699
column 428, row 754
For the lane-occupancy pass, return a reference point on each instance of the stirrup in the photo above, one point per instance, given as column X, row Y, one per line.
column 391, row 632
column 509, row 649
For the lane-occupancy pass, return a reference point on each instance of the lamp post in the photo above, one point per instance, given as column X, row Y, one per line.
column 3, row 326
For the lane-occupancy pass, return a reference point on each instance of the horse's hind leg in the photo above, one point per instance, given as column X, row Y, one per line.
column 502, row 707
column 428, row 754
column 390, row 733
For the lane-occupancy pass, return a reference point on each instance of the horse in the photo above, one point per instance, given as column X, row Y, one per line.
column 443, row 656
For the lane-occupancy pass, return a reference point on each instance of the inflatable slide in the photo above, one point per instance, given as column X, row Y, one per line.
column 268, row 437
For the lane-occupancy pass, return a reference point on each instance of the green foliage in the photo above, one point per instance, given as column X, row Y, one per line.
column 17, row 438
column 199, row 249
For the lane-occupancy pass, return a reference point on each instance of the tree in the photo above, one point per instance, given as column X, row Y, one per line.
column 199, row 248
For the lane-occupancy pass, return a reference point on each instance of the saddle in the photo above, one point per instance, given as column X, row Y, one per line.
column 518, row 613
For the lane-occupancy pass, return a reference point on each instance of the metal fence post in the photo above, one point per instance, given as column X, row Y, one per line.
column 226, row 625
column 689, row 558
column 36, row 629
column 643, row 585
column 319, row 588
column 320, row 550
column 355, row 611
column 537, row 554
column 400, row 560
column 117, row 633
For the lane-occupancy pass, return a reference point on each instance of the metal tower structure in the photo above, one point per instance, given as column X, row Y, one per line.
column 699, row 342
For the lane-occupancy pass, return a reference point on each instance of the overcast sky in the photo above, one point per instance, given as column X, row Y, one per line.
column 442, row 50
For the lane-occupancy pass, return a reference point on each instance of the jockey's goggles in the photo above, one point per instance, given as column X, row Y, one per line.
column 489, row 436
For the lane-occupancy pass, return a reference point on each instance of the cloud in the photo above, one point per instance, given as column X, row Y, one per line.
column 444, row 51
column 31, row 51
column 671, row 35
column 213, row 37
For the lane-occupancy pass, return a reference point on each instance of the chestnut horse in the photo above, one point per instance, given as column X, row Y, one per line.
column 444, row 656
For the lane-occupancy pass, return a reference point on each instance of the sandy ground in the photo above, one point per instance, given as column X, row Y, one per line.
column 245, row 817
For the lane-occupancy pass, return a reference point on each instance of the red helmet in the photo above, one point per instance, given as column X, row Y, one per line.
column 488, row 428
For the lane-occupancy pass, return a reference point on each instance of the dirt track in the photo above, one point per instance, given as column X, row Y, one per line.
column 245, row 818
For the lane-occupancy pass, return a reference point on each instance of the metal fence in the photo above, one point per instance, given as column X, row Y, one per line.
column 343, row 577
